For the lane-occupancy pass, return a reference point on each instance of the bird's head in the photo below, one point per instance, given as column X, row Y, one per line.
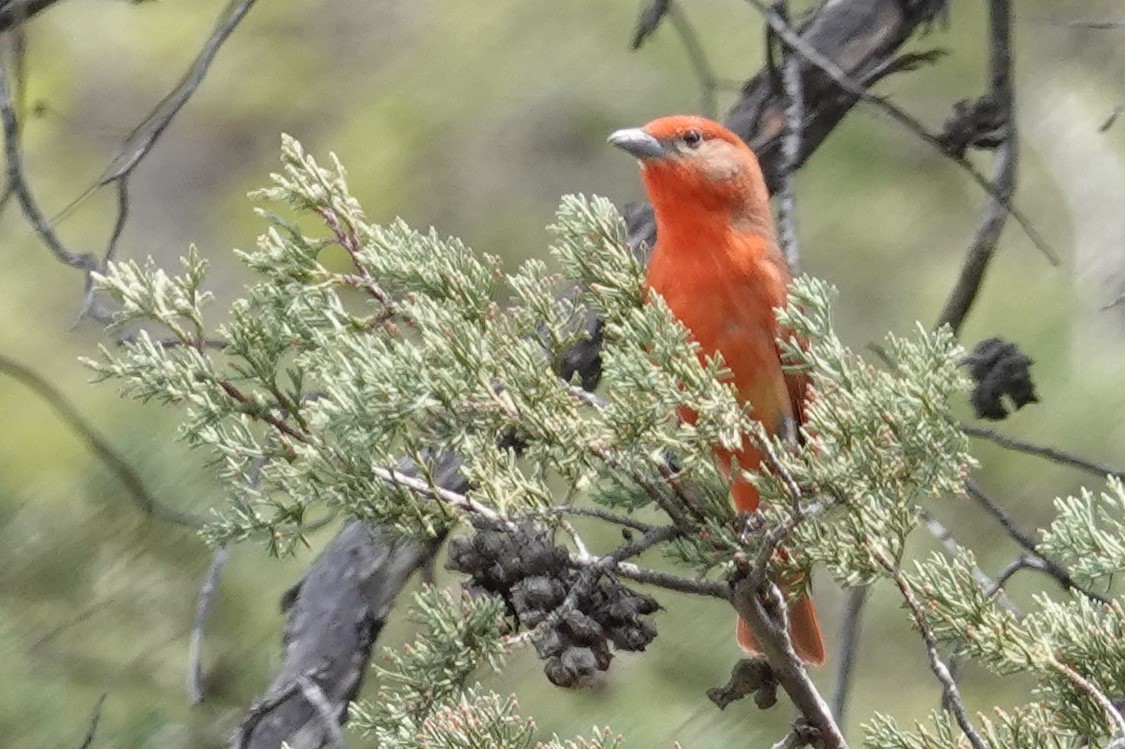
column 692, row 164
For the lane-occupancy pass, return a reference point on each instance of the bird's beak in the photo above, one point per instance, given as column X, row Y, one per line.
column 637, row 142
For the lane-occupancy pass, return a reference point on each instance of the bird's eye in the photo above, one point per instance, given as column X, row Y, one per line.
column 692, row 138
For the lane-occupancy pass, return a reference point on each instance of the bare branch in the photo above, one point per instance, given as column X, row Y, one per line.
column 131, row 152
column 649, row 21
column 1004, row 182
column 848, row 649
column 355, row 579
column 1111, row 711
column 1107, row 24
column 855, row 88
column 1043, row 451
column 202, row 609
column 1117, row 112
column 14, row 12
column 267, row 704
column 92, row 726
column 145, row 135
column 697, row 56
column 99, row 445
column 658, row 579
column 606, row 515
column 1049, row 566
column 614, row 562
column 432, row 491
column 17, row 181
column 763, row 609
column 791, row 152
column 89, row 303
column 987, row 584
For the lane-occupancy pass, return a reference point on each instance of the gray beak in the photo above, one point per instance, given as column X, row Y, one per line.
column 637, row 142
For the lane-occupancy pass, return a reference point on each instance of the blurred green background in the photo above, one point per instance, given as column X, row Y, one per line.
column 475, row 118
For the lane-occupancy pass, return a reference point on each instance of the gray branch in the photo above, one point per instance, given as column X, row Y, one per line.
column 335, row 614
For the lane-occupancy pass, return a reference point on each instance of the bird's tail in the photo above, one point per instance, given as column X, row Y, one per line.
column 804, row 630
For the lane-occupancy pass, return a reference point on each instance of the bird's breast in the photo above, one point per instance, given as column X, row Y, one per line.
column 726, row 301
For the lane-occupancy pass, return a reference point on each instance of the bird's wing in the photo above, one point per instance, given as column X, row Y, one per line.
column 797, row 383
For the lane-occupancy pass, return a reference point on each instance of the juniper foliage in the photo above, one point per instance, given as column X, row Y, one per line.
column 358, row 345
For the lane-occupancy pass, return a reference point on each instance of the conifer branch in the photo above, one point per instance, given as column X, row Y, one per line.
column 951, row 695
column 1113, row 714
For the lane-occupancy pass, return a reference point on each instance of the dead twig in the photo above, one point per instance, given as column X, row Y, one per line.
column 697, row 57
column 1042, row 451
column 1003, row 184
column 1049, row 566
column 855, row 88
column 92, row 726
column 848, row 648
column 202, row 609
column 791, row 152
column 99, row 445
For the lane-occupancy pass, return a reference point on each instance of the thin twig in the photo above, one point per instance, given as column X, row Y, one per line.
column 790, row 152
column 88, row 303
column 1027, row 543
column 649, row 21
column 677, row 583
column 1096, row 695
column 432, row 491
column 984, row 243
column 73, row 621
column 1117, row 112
column 848, row 648
column 629, row 549
column 18, row 182
column 1107, row 24
column 230, row 389
column 950, row 694
column 315, row 697
column 575, row 538
column 938, row 530
column 202, row 609
column 99, row 445
column 1043, row 451
column 839, row 76
column 145, row 135
column 92, row 726
column 697, row 56
column 606, row 515
column 136, row 146
column 662, row 500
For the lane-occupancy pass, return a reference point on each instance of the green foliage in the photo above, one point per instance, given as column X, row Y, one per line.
column 1070, row 647
column 879, row 441
column 329, row 376
column 426, row 700
column 1028, row 726
column 457, row 637
column 1088, row 534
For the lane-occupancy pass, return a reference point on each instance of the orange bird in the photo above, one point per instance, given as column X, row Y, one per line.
column 717, row 265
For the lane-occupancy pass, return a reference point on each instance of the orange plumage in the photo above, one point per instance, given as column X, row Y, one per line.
column 717, row 265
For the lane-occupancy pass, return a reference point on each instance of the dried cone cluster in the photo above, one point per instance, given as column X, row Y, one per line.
column 1001, row 371
column 582, row 611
